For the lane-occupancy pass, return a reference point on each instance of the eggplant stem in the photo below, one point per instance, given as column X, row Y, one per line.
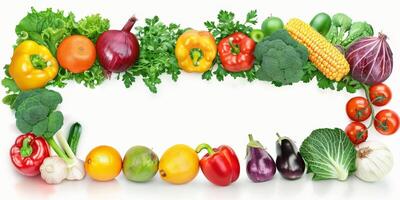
column 251, row 137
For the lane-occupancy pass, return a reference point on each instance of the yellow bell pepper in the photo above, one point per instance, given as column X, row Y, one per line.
column 195, row 51
column 32, row 65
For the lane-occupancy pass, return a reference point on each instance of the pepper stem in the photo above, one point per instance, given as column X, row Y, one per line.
column 38, row 62
column 196, row 54
column 235, row 50
column 209, row 149
column 26, row 149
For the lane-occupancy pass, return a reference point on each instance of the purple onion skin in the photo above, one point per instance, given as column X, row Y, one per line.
column 370, row 59
column 289, row 162
column 260, row 165
column 118, row 50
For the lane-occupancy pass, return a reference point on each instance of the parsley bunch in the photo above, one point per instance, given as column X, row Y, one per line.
column 348, row 83
column 226, row 26
column 157, row 54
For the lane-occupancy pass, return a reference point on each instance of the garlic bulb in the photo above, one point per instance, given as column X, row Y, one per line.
column 53, row 170
column 374, row 161
column 76, row 171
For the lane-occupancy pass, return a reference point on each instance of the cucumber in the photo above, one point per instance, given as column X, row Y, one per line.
column 74, row 135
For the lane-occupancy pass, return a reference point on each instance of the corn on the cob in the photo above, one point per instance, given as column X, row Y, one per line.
column 326, row 57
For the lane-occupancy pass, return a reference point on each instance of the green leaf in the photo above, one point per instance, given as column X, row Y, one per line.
column 10, row 99
column 10, row 85
column 207, row 75
column 157, row 56
column 220, row 73
column 329, row 154
column 251, row 17
column 46, row 27
column 92, row 26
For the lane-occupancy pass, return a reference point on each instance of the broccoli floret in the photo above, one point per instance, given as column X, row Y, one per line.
column 342, row 21
column 286, row 38
column 35, row 112
column 281, row 59
column 358, row 30
column 40, row 128
column 23, row 126
column 56, row 120
column 51, row 99
column 344, row 32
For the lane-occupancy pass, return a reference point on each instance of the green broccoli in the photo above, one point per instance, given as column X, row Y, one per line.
column 358, row 30
column 280, row 59
column 343, row 23
column 344, row 32
column 35, row 112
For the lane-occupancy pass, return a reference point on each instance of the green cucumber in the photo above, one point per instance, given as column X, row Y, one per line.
column 74, row 135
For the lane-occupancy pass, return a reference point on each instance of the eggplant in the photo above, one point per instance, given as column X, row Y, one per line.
column 260, row 165
column 289, row 162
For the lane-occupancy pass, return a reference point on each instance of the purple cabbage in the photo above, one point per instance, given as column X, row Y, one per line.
column 370, row 59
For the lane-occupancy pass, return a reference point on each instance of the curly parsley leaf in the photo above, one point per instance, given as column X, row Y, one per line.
column 157, row 54
column 347, row 83
column 89, row 78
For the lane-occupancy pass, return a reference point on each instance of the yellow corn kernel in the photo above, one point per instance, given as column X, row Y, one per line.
column 326, row 57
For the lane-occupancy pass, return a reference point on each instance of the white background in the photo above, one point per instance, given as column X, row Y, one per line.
column 193, row 111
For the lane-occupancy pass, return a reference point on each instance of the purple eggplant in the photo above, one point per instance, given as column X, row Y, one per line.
column 289, row 162
column 260, row 165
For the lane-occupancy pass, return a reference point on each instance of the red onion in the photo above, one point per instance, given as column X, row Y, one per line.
column 371, row 59
column 118, row 50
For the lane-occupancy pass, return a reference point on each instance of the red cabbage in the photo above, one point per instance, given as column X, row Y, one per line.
column 370, row 59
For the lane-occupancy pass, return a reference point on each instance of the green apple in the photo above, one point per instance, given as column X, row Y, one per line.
column 140, row 164
column 257, row 35
column 271, row 24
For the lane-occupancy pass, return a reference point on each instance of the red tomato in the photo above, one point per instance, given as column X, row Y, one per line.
column 386, row 122
column 380, row 94
column 358, row 109
column 357, row 132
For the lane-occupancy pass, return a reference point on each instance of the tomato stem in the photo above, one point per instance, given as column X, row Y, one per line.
column 366, row 90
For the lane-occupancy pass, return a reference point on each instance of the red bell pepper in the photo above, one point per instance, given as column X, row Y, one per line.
column 219, row 165
column 236, row 52
column 28, row 153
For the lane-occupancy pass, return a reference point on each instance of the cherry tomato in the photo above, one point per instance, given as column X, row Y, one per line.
column 358, row 109
column 380, row 94
column 386, row 122
column 103, row 163
column 76, row 53
column 357, row 132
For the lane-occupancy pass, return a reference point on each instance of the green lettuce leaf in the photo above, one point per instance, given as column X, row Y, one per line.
column 46, row 27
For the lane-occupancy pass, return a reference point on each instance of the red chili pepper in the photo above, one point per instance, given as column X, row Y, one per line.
column 220, row 165
column 236, row 52
column 28, row 153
